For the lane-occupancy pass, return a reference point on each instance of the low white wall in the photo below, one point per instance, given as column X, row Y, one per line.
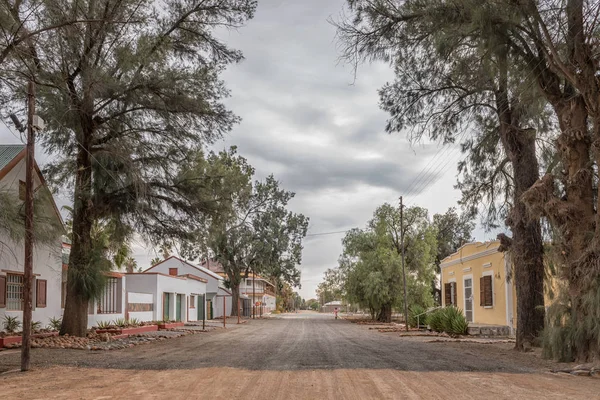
column 142, row 315
column 134, row 299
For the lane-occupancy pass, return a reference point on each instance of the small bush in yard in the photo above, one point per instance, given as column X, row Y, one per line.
column 55, row 323
column 414, row 311
column 436, row 320
column 36, row 326
column 104, row 325
column 454, row 321
column 120, row 322
column 11, row 324
column 134, row 322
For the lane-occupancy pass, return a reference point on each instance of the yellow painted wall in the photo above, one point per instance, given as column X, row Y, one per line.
column 476, row 260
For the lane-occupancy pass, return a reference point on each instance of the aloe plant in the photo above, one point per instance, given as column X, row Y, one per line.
column 55, row 323
column 11, row 324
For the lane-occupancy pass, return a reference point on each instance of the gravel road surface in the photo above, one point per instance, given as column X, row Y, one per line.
column 293, row 356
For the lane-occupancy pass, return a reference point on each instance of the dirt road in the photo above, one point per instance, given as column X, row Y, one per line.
column 295, row 357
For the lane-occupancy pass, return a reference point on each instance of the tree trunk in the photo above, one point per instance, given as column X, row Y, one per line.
column 235, row 296
column 527, row 249
column 76, row 303
column 385, row 313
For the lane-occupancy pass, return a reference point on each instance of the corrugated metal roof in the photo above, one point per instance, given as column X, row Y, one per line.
column 8, row 152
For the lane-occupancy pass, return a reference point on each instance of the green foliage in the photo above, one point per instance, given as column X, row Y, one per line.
column 371, row 269
column 36, row 326
column 55, row 323
column 452, row 231
column 11, row 324
column 449, row 320
column 566, row 333
column 47, row 224
column 257, row 234
column 436, row 320
column 127, row 114
column 104, row 324
column 134, row 322
column 414, row 311
column 120, row 322
column 454, row 321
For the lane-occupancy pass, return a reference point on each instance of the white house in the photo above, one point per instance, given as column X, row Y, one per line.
column 263, row 292
column 153, row 296
column 215, row 290
column 47, row 260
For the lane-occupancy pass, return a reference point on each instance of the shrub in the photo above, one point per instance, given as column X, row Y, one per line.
column 435, row 320
column 55, row 323
column 36, row 326
column 454, row 321
column 11, row 324
column 414, row 311
column 120, row 322
column 134, row 322
column 104, row 324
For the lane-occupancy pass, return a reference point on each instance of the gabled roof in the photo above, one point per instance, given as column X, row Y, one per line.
column 10, row 156
column 199, row 268
column 9, row 152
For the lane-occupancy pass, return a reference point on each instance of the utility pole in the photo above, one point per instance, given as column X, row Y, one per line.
column 28, row 267
column 403, row 268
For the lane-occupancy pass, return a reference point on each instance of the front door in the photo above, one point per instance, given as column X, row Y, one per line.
column 166, row 306
column 201, row 311
column 469, row 299
column 178, row 308
column 209, row 314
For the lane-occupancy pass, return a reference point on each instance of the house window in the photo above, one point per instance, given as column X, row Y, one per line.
column 486, row 292
column 450, row 293
column 173, row 271
column 109, row 302
column 192, row 301
column 14, row 292
column 2, row 291
column 63, row 287
column 41, row 286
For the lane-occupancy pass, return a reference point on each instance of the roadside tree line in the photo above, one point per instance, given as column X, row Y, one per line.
column 516, row 83
column 133, row 99
column 369, row 274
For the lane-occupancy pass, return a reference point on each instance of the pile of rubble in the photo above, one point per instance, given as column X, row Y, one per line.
column 106, row 341
column 589, row 369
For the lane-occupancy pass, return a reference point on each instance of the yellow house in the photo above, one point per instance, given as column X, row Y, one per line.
column 474, row 280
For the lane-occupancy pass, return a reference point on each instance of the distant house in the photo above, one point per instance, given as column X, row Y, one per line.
column 155, row 296
column 331, row 306
column 263, row 291
column 474, row 279
column 47, row 262
column 215, row 291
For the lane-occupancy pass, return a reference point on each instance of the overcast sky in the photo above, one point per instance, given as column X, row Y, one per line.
column 320, row 132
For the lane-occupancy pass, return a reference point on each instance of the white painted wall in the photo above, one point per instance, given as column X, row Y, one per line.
column 156, row 284
column 141, row 298
column 47, row 261
column 94, row 317
column 218, row 303
column 184, row 268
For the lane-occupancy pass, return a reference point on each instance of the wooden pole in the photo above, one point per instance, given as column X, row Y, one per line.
column 403, row 269
column 28, row 267
column 253, row 294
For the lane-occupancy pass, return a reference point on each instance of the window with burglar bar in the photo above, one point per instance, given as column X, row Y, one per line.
column 14, row 292
column 109, row 302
